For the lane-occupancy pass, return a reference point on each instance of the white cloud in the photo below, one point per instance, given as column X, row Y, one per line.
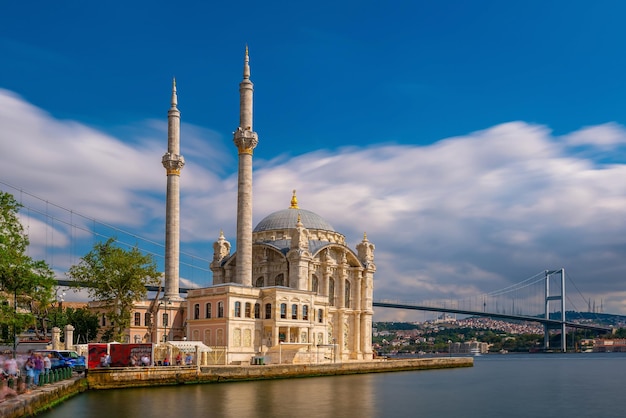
column 462, row 216
column 606, row 136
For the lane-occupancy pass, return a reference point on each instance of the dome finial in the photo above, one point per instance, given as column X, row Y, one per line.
column 294, row 201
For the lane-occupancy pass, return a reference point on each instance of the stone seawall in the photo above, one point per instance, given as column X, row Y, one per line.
column 115, row 378
column 41, row 398
column 46, row 397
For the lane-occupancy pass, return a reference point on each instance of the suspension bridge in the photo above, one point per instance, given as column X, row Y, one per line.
column 61, row 233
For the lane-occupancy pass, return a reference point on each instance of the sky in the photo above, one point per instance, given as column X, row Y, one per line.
column 476, row 143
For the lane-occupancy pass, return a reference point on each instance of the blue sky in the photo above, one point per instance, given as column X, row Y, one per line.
column 477, row 143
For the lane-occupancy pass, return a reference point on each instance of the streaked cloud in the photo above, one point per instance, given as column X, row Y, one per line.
column 464, row 215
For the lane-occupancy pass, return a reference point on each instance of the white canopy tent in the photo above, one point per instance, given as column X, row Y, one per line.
column 190, row 346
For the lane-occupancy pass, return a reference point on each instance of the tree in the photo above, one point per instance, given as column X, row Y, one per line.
column 116, row 278
column 25, row 284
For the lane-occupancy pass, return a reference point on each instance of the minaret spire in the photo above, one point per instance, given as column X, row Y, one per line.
column 246, row 140
column 173, row 162
column 174, row 96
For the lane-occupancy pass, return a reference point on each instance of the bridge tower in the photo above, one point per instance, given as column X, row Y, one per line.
column 549, row 298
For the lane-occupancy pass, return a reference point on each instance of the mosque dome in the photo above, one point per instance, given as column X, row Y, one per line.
column 287, row 219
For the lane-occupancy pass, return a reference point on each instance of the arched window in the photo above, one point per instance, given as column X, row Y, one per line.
column 220, row 309
column 260, row 282
column 207, row 337
column 238, row 309
column 248, row 310
column 331, row 292
column 283, row 310
column 137, row 319
column 315, row 284
column 280, row 280
column 196, row 311
column 305, row 312
column 347, row 295
column 257, row 310
column 220, row 337
column 104, row 320
column 320, row 316
column 207, row 310
column 268, row 311
column 294, row 311
column 147, row 319
column 237, row 337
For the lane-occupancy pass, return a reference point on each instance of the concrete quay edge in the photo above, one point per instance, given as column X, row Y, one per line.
column 115, row 378
column 46, row 397
column 42, row 398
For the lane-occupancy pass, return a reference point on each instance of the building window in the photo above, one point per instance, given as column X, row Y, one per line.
column 320, row 316
column 238, row 309
column 347, row 295
column 294, row 311
column 220, row 309
column 331, row 292
column 268, row 311
column 283, row 310
column 220, row 337
column 207, row 337
column 147, row 319
column 257, row 310
column 248, row 310
column 137, row 319
column 260, row 282
column 104, row 320
column 196, row 311
column 305, row 312
column 237, row 337
column 207, row 313
column 315, row 284
column 165, row 319
column 280, row 280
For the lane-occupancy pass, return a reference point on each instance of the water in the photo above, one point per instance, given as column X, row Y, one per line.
column 512, row 385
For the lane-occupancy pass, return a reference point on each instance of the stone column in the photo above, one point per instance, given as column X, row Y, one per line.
column 69, row 337
column 56, row 338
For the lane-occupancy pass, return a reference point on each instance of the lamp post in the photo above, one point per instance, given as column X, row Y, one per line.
column 449, row 348
column 59, row 299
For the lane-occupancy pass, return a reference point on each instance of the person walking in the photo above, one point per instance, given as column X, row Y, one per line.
column 29, row 368
column 47, row 363
column 38, row 368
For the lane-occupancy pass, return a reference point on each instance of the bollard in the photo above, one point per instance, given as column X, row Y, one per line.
column 43, row 378
column 55, row 378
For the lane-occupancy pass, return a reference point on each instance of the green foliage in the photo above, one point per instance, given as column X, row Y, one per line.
column 84, row 321
column 116, row 278
column 25, row 284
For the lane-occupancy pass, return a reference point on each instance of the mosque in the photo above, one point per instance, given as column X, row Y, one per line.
column 292, row 292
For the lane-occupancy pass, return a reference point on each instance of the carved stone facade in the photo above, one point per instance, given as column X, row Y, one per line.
column 310, row 292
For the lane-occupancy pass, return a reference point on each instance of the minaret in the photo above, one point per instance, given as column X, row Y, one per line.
column 173, row 163
column 245, row 139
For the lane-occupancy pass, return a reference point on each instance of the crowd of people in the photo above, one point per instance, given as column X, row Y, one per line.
column 24, row 370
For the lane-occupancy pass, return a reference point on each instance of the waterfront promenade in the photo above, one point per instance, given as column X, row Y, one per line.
column 46, row 397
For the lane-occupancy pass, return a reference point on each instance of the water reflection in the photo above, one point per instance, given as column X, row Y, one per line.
column 340, row 396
